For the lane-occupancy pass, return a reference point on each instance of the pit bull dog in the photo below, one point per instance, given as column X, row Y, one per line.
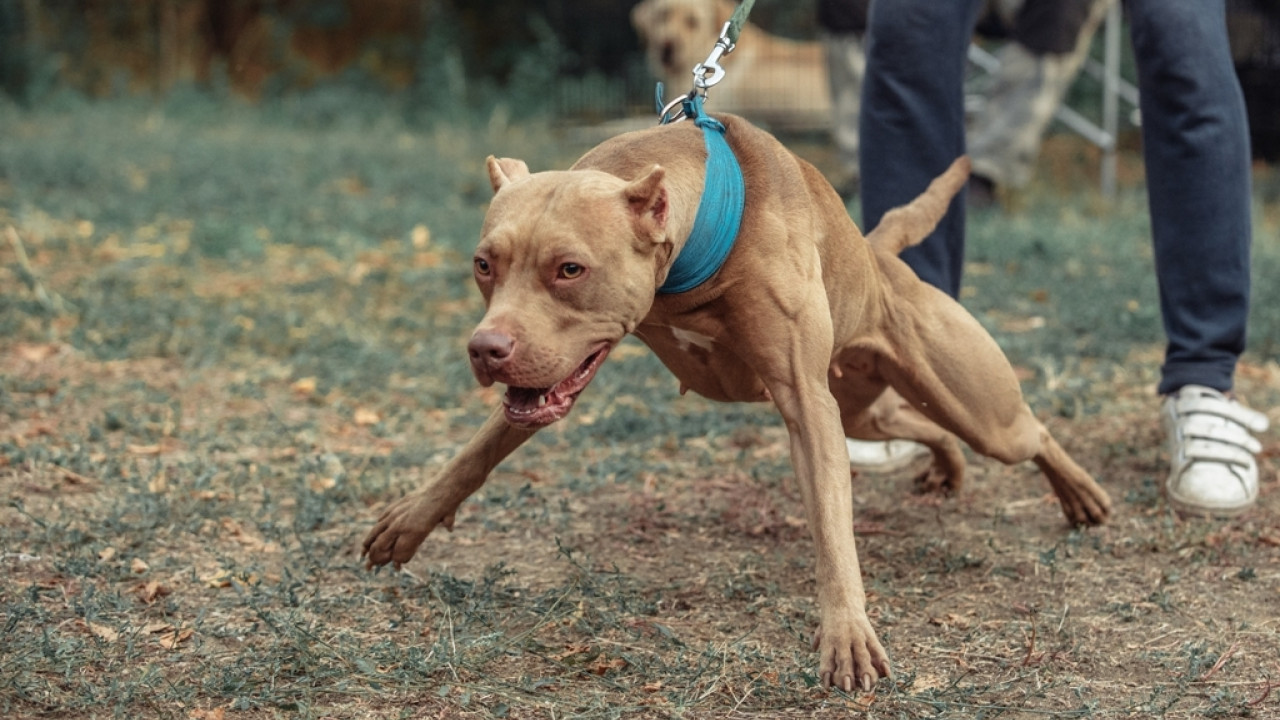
column 830, row 326
column 770, row 79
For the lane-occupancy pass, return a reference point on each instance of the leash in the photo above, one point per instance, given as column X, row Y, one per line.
column 715, row 227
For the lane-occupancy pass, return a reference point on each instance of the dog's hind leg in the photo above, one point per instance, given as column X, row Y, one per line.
column 946, row 365
column 890, row 417
column 406, row 522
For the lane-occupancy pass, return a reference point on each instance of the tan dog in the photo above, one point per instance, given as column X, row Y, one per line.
column 768, row 79
column 805, row 312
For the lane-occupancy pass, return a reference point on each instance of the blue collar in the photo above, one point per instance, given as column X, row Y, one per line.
column 719, row 211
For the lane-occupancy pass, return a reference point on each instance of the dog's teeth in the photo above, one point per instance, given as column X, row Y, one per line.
column 542, row 400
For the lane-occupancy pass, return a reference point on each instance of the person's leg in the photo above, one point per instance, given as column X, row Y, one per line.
column 912, row 123
column 1196, row 148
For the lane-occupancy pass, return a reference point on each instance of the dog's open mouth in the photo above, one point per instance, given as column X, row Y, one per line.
column 538, row 407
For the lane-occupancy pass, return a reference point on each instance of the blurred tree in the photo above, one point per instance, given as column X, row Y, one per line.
column 15, row 52
column 431, row 48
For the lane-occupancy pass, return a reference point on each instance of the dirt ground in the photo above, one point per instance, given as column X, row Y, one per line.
column 680, row 586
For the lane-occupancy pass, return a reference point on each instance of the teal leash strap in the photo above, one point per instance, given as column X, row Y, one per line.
column 715, row 227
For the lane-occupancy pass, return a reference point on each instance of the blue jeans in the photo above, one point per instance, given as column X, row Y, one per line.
column 1195, row 146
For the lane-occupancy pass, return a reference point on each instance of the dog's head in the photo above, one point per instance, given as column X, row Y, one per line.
column 679, row 34
column 567, row 264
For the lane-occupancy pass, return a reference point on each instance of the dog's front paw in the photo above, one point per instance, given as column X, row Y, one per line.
column 401, row 529
column 849, row 654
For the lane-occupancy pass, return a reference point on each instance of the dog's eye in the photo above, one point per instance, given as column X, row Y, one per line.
column 569, row 271
column 482, row 266
column 691, row 21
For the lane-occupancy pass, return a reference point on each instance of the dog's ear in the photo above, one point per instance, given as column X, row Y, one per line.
column 505, row 170
column 647, row 197
column 642, row 18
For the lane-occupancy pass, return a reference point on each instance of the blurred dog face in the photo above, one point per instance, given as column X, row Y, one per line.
column 679, row 34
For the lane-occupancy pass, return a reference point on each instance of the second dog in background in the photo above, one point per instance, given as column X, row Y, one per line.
column 775, row 81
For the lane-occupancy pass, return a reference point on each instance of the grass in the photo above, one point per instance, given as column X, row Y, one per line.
column 239, row 331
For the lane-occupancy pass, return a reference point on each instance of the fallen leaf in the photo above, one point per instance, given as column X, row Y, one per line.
column 421, row 236
column 74, row 478
column 603, row 666
column 214, row 714
column 218, row 579
column 1021, row 325
column 158, row 485
column 358, row 272
column 319, row 484
column 143, row 449
column 304, row 386
column 925, row 681
column 950, row 620
column 102, row 632
column 171, row 640
column 106, row 553
column 139, row 566
column 149, row 592
column 158, row 626
column 571, row 650
column 37, row 353
column 365, row 416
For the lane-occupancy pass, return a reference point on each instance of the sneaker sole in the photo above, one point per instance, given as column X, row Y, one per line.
column 894, row 465
column 1187, row 508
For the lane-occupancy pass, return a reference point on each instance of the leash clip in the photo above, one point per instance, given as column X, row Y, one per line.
column 705, row 75
column 709, row 72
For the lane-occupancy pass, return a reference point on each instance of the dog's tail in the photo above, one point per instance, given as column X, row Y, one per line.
column 904, row 226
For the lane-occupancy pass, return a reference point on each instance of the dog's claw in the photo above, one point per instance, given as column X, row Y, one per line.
column 401, row 529
column 856, row 660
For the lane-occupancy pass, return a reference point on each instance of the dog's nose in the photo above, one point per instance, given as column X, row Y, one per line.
column 668, row 54
column 489, row 350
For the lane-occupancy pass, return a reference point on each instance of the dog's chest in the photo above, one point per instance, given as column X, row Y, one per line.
column 703, row 364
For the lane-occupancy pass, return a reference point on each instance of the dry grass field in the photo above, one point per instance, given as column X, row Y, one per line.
column 227, row 338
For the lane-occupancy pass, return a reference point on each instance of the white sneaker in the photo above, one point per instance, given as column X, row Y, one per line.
column 1211, row 451
column 882, row 456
